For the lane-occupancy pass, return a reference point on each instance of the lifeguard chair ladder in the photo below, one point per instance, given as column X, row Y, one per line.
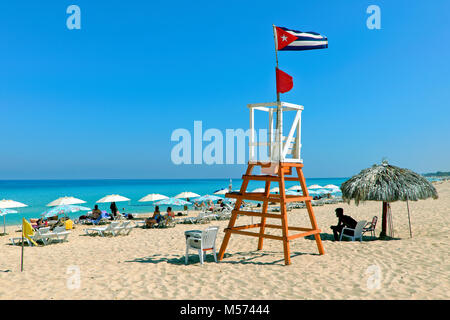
column 283, row 156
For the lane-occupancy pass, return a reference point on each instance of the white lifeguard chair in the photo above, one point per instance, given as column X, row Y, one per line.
column 281, row 148
column 284, row 155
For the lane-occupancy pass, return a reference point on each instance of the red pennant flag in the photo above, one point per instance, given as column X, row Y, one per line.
column 284, row 38
column 284, row 81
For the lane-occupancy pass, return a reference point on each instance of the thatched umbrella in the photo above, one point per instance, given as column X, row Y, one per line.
column 388, row 184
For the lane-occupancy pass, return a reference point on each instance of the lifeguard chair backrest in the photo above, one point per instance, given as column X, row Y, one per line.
column 281, row 148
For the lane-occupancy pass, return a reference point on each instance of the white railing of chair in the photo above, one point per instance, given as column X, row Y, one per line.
column 290, row 145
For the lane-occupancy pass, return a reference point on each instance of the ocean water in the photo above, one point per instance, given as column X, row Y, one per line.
column 38, row 193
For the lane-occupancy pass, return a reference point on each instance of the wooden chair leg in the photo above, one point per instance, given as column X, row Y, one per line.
column 233, row 218
column 284, row 222
column 263, row 219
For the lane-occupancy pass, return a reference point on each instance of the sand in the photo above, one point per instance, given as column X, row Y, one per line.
column 149, row 263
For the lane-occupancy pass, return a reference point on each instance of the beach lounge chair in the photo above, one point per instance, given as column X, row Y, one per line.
column 203, row 217
column 110, row 228
column 202, row 242
column 166, row 222
column 357, row 232
column 41, row 234
column 370, row 226
column 124, row 228
column 59, row 233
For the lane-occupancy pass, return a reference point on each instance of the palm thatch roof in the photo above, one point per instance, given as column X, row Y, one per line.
column 387, row 183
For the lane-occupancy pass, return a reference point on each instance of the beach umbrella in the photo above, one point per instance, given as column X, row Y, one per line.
column 292, row 193
column 64, row 209
column 187, row 194
column 153, row 197
column 387, row 183
column 173, row 202
column 332, row 186
column 113, row 198
column 65, row 201
column 321, row 191
column 296, row 188
column 9, row 204
column 4, row 212
column 259, row 190
column 222, row 191
column 276, row 189
column 315, row 186
column 208, row 197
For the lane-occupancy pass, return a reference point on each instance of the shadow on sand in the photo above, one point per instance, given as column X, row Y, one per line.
column 330, row 237
column 249, row 257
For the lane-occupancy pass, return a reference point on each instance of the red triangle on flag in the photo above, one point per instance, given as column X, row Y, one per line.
column 284, row 81
column 284, row 38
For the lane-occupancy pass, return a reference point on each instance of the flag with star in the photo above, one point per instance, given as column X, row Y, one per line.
column 294, row 40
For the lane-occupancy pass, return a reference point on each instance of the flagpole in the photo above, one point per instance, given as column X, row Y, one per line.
column 278, row 128
column 276, row 58
column 21, row 258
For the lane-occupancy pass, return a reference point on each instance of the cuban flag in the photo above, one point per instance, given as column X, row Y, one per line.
column 293, row 40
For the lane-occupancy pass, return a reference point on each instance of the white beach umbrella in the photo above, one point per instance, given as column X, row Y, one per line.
column 113, row 198
column 65, row 201
column 332, row 186
column 276, row 189
column 153, row 197
column 186, row 194
column 259, row 190
column 4, row 212
column 315, row 186
column 8, row 204
column 295, row 188
column 222, row 191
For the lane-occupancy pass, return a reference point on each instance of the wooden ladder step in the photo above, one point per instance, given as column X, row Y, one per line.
column 259, row 177
column 258, row 214
column 259, row 196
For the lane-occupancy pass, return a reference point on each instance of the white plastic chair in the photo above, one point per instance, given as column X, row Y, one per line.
column 357, row 232
column 202, row 242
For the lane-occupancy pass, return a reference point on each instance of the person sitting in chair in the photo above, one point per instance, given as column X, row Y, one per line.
column 96, row 213
column 155, row 219
column 344, row 221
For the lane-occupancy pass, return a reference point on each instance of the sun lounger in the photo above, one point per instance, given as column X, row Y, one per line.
column 41, row 234
column 124, row 228
column 110, row 228
column 59, row 233
column 166, row 222
column 203, row 217
column 139, row 223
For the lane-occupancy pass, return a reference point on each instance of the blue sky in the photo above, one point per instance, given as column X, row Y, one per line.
column 103, row 101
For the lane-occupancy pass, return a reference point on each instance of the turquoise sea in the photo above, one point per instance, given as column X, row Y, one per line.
column 38, row 193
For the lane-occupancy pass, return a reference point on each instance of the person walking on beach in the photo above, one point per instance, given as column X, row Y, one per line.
column 114, row 210
column 344, row 221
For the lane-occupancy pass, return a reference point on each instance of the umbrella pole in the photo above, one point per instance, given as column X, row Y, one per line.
column 384, row 220
column 409, row 218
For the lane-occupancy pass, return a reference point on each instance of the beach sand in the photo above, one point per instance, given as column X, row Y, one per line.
column 149, row 263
